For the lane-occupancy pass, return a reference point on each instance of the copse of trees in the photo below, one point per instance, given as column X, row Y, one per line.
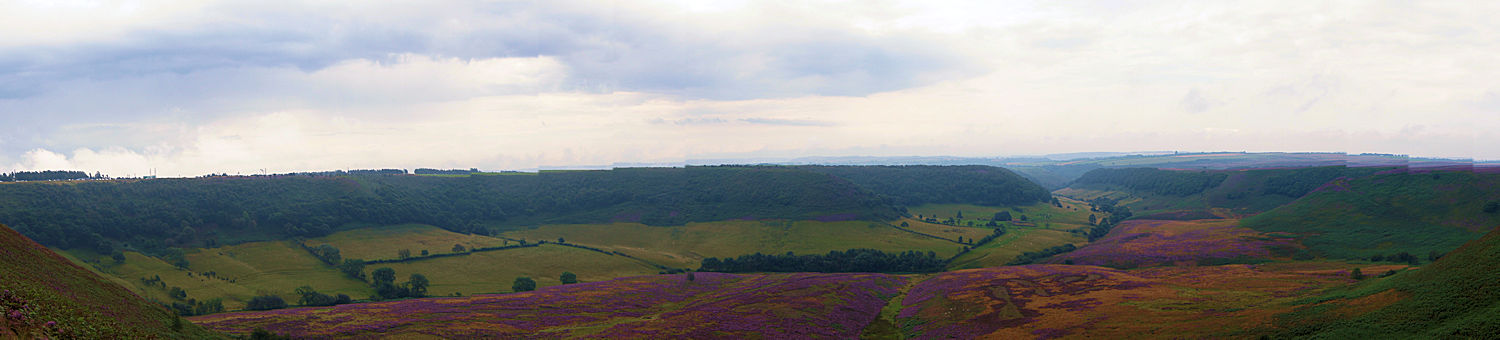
column 1161, row 182
column 307, row 296
column 384, row 281
column 853, row 260
column 265, row 302
column 523, row 284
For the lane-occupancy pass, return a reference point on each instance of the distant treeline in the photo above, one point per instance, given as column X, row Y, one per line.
column 426, row 171
column 1161, row 182
column 851, row 261
column 912, row 185
column 49, row 175
column 153, row 215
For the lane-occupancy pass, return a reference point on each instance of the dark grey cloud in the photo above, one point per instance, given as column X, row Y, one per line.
column 621, row 49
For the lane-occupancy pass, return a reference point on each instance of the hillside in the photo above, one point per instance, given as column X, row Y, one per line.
column 696, row 306
column 1179, row 194
column 43, row 294
column 151, row 215
column 913, row 185
column 1456, row 297
column 1418, row 213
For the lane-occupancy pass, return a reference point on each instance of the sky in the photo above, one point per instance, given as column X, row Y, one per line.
column 204, row 86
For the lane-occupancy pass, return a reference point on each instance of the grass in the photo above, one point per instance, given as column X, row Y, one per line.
column 1047, row 226
column 1387, row 214
column 1016, row 241
column 685, row 246
column 495, row 271
column 47, row 287
column 376, row 242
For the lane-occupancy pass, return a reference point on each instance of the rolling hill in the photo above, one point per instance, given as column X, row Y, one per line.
column 43, row 294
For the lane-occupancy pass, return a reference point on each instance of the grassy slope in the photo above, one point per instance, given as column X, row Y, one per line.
column 86, row 304
column 1049, row 227
column 1242, row 193
column 685, row 246
column 1455, row 297
column 1390, row 213
column 495, row 271
column 376, row 242
column 241, row 272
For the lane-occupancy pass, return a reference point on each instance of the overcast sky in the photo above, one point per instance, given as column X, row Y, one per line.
column 193, row 87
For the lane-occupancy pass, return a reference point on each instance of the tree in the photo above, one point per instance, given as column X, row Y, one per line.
column 1093, row 219
column 265, row 302
column 561, row 240
column 459, row 248
column 118, row 257
column 417, row 285
column 523, row 284
column 960, row 214
column 424, row 252
column 1356, row 274
column 354, row 268
column 403, row 254
column 691, row 277
column 905, row 225
column 1002, row 216
column 329, row 254
column 569, row 278
column 384, row 275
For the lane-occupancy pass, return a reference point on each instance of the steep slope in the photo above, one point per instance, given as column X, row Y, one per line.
column 913, row 185
column 43, row 294
column 1456, row 297
column 1417, row 213
column 1171, row 194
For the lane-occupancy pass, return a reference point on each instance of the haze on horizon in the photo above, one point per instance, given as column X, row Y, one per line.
column 195, row 87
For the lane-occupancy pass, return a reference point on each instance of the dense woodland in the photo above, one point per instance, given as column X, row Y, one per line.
column 155, row 215
column 1161, row 182
column 49, row 175
column 913, row 185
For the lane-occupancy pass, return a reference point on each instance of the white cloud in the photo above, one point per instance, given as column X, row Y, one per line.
column 645, row 82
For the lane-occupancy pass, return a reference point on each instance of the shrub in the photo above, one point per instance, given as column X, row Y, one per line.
column 265, row 302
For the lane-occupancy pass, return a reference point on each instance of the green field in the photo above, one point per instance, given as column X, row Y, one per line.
column 495, row 271
column 376, row 242
column 1047, row 226
column 687, row 245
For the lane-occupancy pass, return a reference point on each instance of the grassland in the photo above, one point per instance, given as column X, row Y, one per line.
column 376, row 243
column 495, row 271
column 1047, row 226
column 240, row 272
column 44, row 295
column 685, row 246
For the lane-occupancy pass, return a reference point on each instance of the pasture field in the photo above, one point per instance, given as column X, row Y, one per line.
column 1073, row 212
column 1005, row 248
column 377, row 243
column 687, row 245
column 239, row 272
column 944, row 231
column 495, row 271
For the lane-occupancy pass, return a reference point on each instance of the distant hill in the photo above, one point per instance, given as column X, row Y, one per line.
column 1419, row 213
column 42, row 294
column 1455, row 297
column 1149, row 191
column 912, row 185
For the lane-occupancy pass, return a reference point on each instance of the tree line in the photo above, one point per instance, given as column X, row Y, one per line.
column 911, row 185
column 154, row 215
column 1157, row 181
column 48, row 175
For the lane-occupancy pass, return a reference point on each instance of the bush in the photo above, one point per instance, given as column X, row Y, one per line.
column 569, row 278
column 265, row 302
column 523, row 284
